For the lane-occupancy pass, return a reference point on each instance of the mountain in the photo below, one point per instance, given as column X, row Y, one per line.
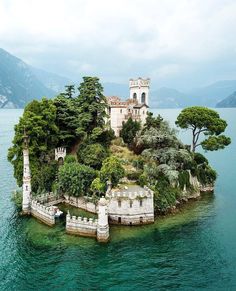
column 161, row 98
column 18, row 84
column 229, row 101
column 168, row 98
column 214, row 93
column 50, row 80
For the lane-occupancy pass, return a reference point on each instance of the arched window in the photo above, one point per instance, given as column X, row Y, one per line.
column 143, row 98
column 135, row 96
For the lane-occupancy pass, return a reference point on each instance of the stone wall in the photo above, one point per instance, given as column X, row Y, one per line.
column 81, row 226
column 43, row 213
column 49, row 199
column 131, row 208
column 81, row 202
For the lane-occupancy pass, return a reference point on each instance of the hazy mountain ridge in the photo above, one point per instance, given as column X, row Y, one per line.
column 50, row 80
column 165, row 97
column 228, row 102
column 18, row 85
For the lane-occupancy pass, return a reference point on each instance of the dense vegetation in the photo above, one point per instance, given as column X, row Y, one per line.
column 149, row 155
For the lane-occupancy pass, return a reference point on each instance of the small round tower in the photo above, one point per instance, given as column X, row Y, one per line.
column 103, row 226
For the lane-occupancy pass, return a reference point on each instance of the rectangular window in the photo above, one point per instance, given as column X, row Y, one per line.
column 131, row 203
column 119, row 203
column 141, row 203
column 121, row 111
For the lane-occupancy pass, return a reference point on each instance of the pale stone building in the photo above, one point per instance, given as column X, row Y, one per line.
column 130, row 206
column 135, row 107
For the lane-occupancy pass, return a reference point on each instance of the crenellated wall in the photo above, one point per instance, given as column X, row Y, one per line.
column 131, row 208
column 81, row 226
column 44, row 213
column 82, row 203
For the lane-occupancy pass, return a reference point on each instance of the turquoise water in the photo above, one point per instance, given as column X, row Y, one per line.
column 195, row 249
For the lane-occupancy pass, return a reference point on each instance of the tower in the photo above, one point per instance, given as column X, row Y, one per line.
column 103, row 226
column 26, row 177
column 139, row 90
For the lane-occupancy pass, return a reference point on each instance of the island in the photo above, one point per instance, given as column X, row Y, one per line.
column 109, row 157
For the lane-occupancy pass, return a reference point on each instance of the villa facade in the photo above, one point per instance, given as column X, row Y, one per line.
column 134, row 107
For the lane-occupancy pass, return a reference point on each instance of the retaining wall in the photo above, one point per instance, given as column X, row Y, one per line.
column 81, row 202
column 81, row 226
column 43, row 213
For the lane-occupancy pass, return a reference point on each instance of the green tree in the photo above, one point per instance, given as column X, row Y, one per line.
column 112, row 170
column 98, row 186
column 67, row 120
column 92, row 106
column 75, row 179
column 92, row 155
column 39, row 121
column 204, row 120
column 152, row 121
column 69, row 91
column 129, row 130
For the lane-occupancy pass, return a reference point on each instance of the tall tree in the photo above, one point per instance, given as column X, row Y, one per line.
column 204, row 120
column 67, row 119
column 92, row 105
column 69, row 91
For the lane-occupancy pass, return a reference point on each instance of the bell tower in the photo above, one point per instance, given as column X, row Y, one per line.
column 26, row 176
column 139, row 90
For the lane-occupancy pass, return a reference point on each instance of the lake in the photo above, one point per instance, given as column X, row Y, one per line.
column 194, row 249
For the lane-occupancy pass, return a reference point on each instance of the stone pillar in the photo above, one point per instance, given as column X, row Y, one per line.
column 103, row 226
column 26, row 188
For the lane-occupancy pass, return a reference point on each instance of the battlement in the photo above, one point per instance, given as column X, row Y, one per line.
column 60, row 152
column 146, row 193
column 81, row 225
column 81, row 220
column 44, row 213
column 140, row 82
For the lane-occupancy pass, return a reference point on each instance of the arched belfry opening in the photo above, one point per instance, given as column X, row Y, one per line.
column 135, row 96
column 143, row 98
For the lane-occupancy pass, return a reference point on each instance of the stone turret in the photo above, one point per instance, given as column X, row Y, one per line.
column 26, row 177
column 103, row 226
column 60, row 154
column 139, row 90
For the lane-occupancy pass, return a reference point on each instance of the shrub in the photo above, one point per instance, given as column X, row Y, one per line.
column 92, row 155
column 133, row 175
column 200, row 159
column 75, row 179
column 112, row 170
column 184, row 179
column 70, row 159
